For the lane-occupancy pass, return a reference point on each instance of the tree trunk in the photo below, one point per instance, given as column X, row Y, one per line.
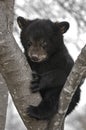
column 15, row 69
column 3, row 102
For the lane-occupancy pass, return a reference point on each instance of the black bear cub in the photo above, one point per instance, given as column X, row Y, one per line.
column 50, row 63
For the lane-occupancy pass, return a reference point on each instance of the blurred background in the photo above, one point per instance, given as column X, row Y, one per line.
column 73, row 11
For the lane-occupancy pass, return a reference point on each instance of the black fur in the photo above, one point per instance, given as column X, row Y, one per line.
column 49, row 74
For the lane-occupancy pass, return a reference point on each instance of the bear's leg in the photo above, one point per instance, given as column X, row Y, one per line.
column 47, row 107
column 74, row 101
column 43, row 111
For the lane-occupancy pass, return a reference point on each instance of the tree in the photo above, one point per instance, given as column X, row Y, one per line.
column 77, row 10
column 12, row 61
column 3, row 102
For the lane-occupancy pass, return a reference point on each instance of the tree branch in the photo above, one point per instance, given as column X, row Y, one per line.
column 77, row 74
column 3, row 102
column 16, row 71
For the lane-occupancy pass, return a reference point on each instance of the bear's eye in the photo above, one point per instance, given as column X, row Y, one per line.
column 43, row 43
column 29, row 43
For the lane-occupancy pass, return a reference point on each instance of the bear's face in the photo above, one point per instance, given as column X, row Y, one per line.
column 41, row 38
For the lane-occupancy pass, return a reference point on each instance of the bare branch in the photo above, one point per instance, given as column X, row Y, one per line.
column 77, row 74
column 77, row 10
column 3, row 102
column 16, row 72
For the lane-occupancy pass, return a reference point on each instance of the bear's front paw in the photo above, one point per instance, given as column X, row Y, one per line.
column 32, row 112
column 34, row 87
column 35, row 82
column 35, row 76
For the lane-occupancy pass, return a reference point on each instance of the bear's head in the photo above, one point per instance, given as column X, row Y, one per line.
column 41, row 38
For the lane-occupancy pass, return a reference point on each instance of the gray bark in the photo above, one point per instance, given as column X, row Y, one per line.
column 77, row 75
column 3, row 86
column 3, row 102
column 15, row 68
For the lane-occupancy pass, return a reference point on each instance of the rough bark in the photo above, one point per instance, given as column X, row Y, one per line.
column 3, row 102
column 15, row 69
column 77, row 74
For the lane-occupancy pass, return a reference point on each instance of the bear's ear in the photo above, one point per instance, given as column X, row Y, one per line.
column 22, row 22
column 63, row 26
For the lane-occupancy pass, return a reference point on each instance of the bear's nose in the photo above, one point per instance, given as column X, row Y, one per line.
column 34, row 58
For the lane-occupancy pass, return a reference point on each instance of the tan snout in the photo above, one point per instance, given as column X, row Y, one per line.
column 37, row 54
